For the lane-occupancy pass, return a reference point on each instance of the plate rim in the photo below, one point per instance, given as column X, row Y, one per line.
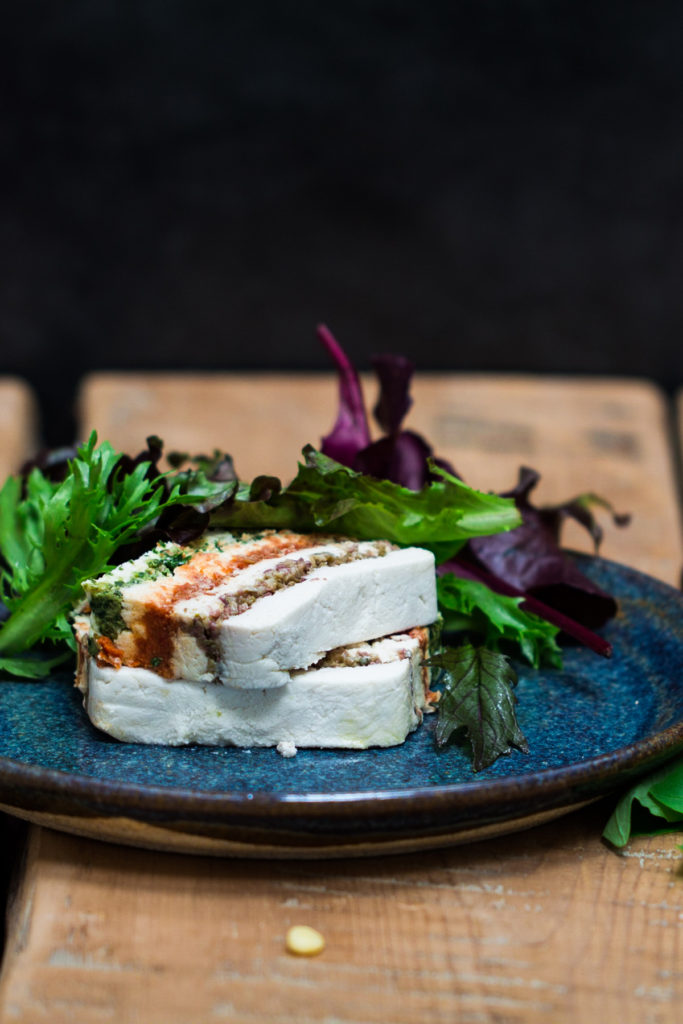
column 551, row 782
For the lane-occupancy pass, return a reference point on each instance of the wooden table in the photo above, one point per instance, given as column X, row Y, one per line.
column 544, row 926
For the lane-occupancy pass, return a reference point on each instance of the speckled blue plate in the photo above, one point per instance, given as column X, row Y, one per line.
column 591, row 728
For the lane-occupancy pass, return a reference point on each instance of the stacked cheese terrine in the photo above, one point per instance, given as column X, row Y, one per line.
column 261, row 639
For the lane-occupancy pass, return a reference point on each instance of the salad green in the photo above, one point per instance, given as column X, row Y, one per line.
column 77, row 514
column 478, row 697
column 54, row 535
column 327, row 496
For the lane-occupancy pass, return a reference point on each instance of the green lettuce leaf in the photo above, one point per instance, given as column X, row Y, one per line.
column 55, row 534
column 653, row 804
column 325, row 495
column 33, row 666
column 471, row 607
column 478, row 697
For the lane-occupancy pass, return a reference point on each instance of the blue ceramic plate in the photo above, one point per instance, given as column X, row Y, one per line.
column 591, row 728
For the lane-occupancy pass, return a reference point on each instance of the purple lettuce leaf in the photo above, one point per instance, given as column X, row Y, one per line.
column 151, row 454
column 350, row 433
column 526, row 562
column 394, row 374
column 531, row 560
column 404, row 458
column 401, row 456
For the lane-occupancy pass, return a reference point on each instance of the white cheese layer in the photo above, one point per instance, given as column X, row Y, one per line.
column 360, row 706
column 333, row 607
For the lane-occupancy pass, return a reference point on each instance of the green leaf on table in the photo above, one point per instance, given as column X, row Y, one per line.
column 478, row 697
column 653, row 804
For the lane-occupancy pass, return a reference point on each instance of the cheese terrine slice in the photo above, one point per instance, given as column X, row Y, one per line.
column 246, row 610
column 364, row 695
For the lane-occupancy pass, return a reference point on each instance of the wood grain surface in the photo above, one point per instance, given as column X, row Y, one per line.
column 18, row 424
column 549, row 925
column 543, row 926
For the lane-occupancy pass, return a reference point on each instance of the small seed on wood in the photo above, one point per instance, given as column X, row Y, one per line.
column 302, row 940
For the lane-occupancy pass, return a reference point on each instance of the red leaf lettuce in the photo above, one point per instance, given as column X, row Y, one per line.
column 527, row 562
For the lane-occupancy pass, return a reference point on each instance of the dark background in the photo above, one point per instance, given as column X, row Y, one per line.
column 478, row 185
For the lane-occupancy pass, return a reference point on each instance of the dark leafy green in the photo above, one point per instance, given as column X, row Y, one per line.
column 478, row 698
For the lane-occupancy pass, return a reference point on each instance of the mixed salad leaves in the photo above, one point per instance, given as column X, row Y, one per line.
column 504, row 584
